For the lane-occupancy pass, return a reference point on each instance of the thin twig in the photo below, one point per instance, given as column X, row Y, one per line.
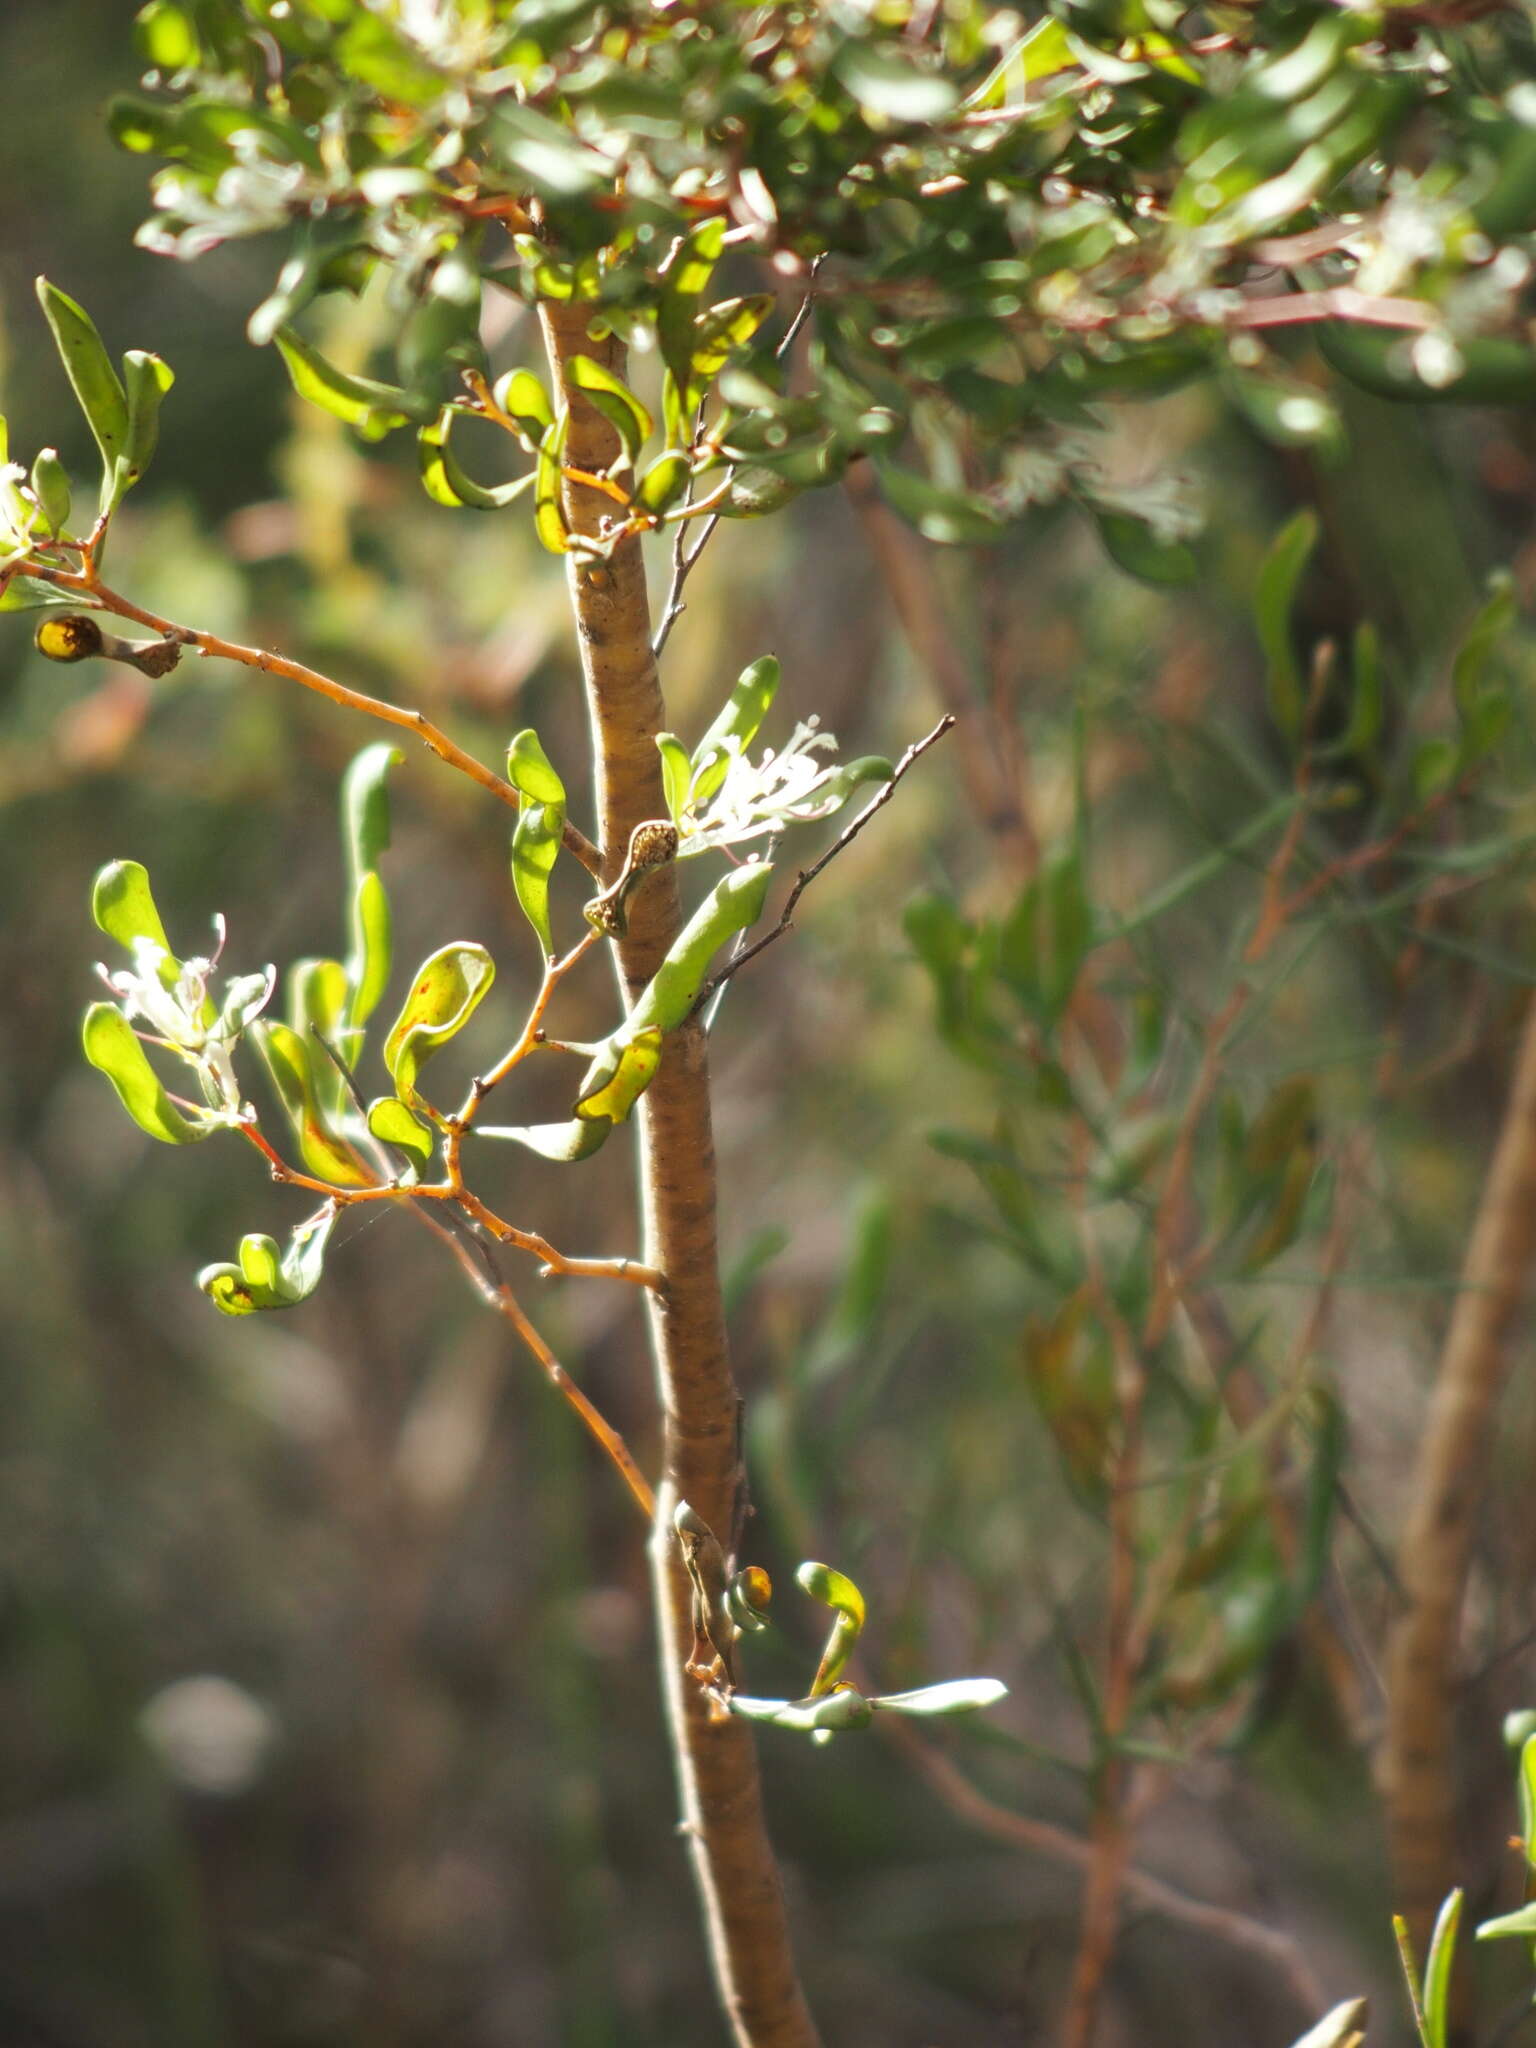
column 1021, row 1831
column 808, row 875
column 415, row 722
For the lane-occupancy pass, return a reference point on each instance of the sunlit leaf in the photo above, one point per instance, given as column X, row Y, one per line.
column 112, row 1046
column 291, row 1061
column 735, row 728
column 123, row 904
column 89, row 369
column 563, row 1143
column 620, row 1074
column 447, row 990
column 615, row 401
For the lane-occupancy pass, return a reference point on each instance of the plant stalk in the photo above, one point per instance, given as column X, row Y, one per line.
column 716, row 1762
column 1446, row 1491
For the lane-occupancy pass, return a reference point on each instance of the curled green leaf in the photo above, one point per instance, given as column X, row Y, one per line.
column 393, row 1124
column 365, row 831
column 521, row 396
column 446, row 481
column 530, row 772
column 676, row 772
column 374, row 409
column 843, row 1596
column 447, row 990
column 112, row 1047
column 535, row 848
column 292, row 1063
column 263, row 1276
column 620, row 1074
column 615, row 401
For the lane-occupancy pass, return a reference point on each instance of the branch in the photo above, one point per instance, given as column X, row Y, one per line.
column 1446, row 1492
column 1279, row 1951
column 414, row 722
column 808, row 875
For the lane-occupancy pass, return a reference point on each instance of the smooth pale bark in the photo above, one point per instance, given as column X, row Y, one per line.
column 1445, row 1494
column 716, row 1762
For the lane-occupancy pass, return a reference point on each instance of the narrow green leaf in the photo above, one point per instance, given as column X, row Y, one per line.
column 843, row 1596
column 1520, row 1922
column 683, row 280
column 89, row 369
column 530, row 772
column 955, row 1696
column 951, row 518
column 1274, row 599
column 1528, row 1798
column 620, row 1074
column 262, row 1277
column 615, row 401
column 563, row 1143
column 448, row 988
column 535, row 848
column 148, row 380
column 730, row 907
column 719, row 331
column 548, row 519
column 123, row 904
column 1437, row 1972
column 446, row 481
column 1343, row 2027
column 1410, row 1968
column 676, row 772
column 291, row 1061
column 112, row 1047
column 365, row 832
column 374, row 409
column 744, row 711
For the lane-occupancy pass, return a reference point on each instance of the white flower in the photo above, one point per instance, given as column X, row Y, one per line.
column 790, row 787
column 173, row 999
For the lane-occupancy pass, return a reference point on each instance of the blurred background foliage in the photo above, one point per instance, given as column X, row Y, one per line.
column 328, row 1707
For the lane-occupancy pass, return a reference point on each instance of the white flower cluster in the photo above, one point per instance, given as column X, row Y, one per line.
column 790, row 787
column 172, row 998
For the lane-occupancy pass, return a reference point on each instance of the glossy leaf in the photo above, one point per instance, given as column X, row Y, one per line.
column 148, row 380
column 123, row 905
column 1437, row 1972
column 564, row 1143
column 548, row 518
column 263, row 1277
column 665, row 482
column 50, row 487
column 834, row 1713
column 720, row 331
column 841, row 1594
column 112, row 1047
column 521, row 396
column 620, row 1074
column 291, row 1061
column 735, row 728
column 887, row 82
column 393, row 1124
column 445, row 479
column 730, row 907
column 1143, row 552
column 683, row 281
column 365, row 831
column 615, row 401
column 535, row 849
column 374, row 409
column 954, row 1696
column 89, row 369
column 530, row 771
column 448, row 988
column 676, row 772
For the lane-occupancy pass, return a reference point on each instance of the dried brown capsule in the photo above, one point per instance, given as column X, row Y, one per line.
column 77, row 636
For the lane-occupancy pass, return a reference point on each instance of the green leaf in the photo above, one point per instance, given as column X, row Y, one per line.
column 1528, row 1797
column 719, row 332
column 50, row 487
column 1521, row 1922
column 683, row 280
column 548, row 518
column 148, row 380
column 263, row 1277
column 676, row 772
column 123, row 904
column 844, row 1597
column 1274, row 599
column 563, row 1143
column 1410, row 1969
column 374, row 409
column 1437, row 1972
column 885, row 81
column 615, row 401
column 535, row 847
column 112, row 1047
column 448, row 988
column 365, row 831
column 165, row 38
column 664, row 481
column 89, row 369
column 521, row 396
column 744, row 711
column 948, row 517
column 1141, row 551
column 852, row 775
column 954, row 1696
column 393, row 1124
column 620, row 1074
column 1343, row 2027
column 730, row 907
column 530, row 772
column 1482, row 636
column 446, row 481
column 26, row 594
column 291, row 1061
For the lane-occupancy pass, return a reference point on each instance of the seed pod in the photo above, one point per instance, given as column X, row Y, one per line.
column 77, row 637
